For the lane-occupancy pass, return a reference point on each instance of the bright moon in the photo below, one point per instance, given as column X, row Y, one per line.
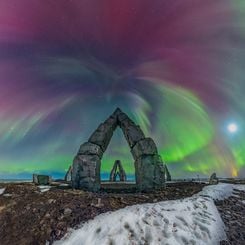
column 232, row 127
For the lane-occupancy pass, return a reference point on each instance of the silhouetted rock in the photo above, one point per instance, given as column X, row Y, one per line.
column 213, row 180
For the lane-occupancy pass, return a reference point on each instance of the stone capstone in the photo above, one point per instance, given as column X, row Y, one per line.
column 126, row 123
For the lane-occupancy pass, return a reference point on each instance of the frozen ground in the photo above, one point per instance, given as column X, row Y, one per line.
column 193, row 220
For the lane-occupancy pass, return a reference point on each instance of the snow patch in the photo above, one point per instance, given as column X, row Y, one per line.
column 7, row 195
column 193, row 220
column 44, row 188
column 64, row 184
column 220, row 191
column 2, row 190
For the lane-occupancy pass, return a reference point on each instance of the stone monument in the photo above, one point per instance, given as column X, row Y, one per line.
column 149, row 168
column 213, row 180
column 117, row 170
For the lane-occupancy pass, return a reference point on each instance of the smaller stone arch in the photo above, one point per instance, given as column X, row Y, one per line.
column 118, row 170
column 149, row 168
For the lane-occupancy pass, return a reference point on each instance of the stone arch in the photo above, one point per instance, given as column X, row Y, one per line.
column 149, row 169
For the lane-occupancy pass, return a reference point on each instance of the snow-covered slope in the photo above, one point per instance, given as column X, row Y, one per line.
column 193, row 220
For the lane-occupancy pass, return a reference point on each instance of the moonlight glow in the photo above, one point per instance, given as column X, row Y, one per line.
column 232, row 128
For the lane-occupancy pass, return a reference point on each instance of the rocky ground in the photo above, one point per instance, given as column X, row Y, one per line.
column 232, row 211
column 29, row 216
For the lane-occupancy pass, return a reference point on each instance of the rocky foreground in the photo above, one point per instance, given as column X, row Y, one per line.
column 232, row 211
column 29, row 216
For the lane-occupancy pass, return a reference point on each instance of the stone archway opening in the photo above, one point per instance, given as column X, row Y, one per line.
column 149, row 168
column 117, row 163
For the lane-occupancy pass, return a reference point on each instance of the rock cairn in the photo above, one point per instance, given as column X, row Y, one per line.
column 149, row 168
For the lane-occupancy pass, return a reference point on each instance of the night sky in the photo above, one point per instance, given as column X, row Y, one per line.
column 176, row 67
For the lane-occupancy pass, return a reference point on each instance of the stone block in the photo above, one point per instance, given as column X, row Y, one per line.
column 116, row 112
column 121, row 117
column 89, row 148
column 133, row 134
column 102, row 135
column 34, row 178
column 149, row 172
column 42, row 179
column 86, row 171
column 145, row 146
column 159, row 175
column 126, row 123
column 111, row 121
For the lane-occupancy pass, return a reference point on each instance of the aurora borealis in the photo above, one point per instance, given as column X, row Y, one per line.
column 176, row 67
